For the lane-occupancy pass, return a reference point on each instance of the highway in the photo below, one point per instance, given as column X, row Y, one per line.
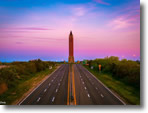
column 90, row 91
column 71, row 85
column 53, row 91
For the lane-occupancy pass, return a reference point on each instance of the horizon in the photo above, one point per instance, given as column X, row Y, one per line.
column 32, row 30
column 64, row 60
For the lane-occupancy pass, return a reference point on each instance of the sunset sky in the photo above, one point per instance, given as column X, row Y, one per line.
column 31, row 29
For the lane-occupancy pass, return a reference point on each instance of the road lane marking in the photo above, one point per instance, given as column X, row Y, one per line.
column 56, row 90
column 102, row 95
column 68, row 86
column 49, row 84
column 73, row 85
column 38, row 99
column 88, row 95
column 45, row 90
column 82, row 82
column 38, row 86
column 85, row 88
column 59, row 84
column 106, row 87
column 53, row 99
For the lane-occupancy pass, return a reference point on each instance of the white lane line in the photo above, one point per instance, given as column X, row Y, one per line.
column 106, row 87
column 83, row 82
column 85, row 88
column 49, row 84
column 45, row 90
column 53, row 99
column 88, row 95
column 102, row 95
column 56, row 90
column 37, row 86
column 38, row 99
column 59, row 84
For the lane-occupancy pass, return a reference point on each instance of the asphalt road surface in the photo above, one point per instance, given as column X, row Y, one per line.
column 90, row 91
column 52, row 91
column 86, row 89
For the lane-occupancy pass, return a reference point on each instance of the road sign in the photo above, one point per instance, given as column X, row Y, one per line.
column 99, row 67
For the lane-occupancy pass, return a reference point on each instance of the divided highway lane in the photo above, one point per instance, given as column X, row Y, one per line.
column 53, row 91
column 91, row 91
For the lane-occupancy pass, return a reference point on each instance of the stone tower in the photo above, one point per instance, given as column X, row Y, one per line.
column 71, row 55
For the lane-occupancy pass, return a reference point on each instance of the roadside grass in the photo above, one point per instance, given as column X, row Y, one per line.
column 24, row 85
column 130, row 94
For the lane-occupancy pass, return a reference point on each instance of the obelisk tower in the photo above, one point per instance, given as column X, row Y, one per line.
column 71, row 57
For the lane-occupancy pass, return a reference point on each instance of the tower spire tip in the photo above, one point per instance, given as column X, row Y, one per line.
column 71, row 32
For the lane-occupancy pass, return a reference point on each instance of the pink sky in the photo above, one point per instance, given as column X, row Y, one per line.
column 43, row 33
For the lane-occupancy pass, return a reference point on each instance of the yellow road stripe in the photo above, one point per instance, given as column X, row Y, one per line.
column 73, row 86
column 68, row 88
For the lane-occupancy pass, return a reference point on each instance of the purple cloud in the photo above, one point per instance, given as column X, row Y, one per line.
column 19, row 43
column 101, row 2
column 25, row 28
column 33, row 28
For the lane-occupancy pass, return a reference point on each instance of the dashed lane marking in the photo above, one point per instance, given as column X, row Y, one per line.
column 53, row 99
column 88, row 95
column 49, row 84
column 102, row 95
column 85, row 88
column 45, row 90
column 56, row 90
column 38, row 99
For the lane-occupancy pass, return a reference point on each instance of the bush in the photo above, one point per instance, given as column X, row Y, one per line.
column 21, row 70
column 9, row 76
column 125, row 70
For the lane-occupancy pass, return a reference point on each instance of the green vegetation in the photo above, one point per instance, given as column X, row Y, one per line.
column 123, row 76
column 21, row 76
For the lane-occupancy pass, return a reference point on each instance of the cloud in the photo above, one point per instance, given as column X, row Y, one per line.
column 43, row 38
column 33, row 28
column 24, row 28
column 101, row 2
column 123, row 22
column 79, row 11
column 19, row 43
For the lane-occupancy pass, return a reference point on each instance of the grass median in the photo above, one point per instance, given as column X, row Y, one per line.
column 128, row 93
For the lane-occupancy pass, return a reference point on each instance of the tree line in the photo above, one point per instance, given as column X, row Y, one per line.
column 20, row 71
column 125, row 70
